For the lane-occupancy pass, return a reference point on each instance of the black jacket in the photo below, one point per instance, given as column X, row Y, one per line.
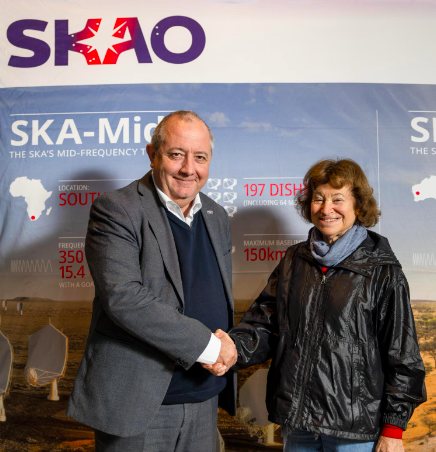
column 344, row 346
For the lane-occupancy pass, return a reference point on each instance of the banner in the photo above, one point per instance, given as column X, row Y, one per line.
column 56, row 163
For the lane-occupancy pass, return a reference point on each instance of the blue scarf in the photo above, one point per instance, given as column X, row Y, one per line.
column 329, row 256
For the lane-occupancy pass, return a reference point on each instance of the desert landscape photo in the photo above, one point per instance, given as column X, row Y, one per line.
column 36, row 424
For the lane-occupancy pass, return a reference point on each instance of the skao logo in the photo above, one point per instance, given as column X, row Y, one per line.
column 126, row 34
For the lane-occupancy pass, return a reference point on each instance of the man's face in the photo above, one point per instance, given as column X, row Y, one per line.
column 181, row 165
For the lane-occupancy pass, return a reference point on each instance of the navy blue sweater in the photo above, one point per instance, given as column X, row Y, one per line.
column 205, row 300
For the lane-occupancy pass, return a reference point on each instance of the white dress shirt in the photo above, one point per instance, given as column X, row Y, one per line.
column 211, row 352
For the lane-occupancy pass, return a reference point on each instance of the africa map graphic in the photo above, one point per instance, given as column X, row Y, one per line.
column 33, row 193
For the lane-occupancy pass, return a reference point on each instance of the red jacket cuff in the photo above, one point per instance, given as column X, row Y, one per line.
column 392, row 431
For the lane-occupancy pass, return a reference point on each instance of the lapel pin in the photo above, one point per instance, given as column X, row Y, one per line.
column 210, row 212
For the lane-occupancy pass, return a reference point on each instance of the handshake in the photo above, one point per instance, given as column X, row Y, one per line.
column 227, row 357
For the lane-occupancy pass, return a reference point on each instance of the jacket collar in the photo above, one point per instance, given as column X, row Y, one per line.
column 372, row 252
column 158, row 220
column 154, row 212
column 213, row 228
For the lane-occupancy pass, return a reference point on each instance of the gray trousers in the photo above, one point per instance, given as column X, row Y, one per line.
column 188, row 427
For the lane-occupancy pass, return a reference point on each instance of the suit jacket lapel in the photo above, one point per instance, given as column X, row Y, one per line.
column 214, row 235
column 155, row 214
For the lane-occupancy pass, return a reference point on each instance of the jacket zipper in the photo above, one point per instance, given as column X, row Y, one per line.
column 308, row 360
column 300, row 310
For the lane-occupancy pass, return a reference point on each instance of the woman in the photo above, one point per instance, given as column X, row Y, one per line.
column 335, row 317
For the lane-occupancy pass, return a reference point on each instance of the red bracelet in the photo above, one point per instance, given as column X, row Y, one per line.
column 392, row 431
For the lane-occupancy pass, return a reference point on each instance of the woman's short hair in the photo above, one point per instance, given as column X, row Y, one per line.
column 338, row 173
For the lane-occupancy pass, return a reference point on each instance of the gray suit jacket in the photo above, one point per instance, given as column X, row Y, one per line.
column 138, row 331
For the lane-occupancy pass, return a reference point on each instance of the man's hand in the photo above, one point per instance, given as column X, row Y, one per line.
column 228, row 354
column 227, row 357
column 386, row 444
column 217, row 369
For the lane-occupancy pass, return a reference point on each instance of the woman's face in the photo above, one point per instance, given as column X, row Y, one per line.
column 332, row 211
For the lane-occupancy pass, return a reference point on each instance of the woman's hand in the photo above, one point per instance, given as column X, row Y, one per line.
column 385, row 444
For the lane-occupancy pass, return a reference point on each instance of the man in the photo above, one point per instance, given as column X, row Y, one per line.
column 159, row 252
